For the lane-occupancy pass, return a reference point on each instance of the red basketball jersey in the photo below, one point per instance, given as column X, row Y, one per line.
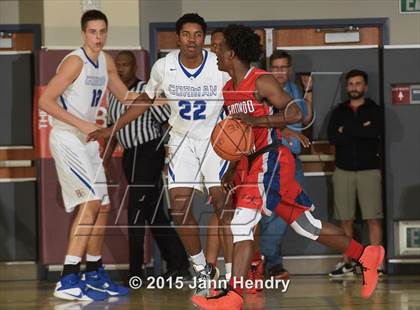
column 242, row 99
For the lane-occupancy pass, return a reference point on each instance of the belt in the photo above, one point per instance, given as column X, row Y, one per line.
column 270, row 147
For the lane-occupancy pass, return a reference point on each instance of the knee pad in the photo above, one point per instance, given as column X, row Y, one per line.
column 307, row 226
column 243, row 222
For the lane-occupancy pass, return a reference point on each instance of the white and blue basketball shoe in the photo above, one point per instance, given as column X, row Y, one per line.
column 101, row 282
column 71, row 287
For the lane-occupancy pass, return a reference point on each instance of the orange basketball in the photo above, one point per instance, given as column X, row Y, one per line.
column 232, row 139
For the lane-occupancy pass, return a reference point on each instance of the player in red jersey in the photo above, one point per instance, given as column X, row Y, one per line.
column 264, row 181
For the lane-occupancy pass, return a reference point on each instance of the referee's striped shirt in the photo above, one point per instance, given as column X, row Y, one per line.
column 143, row 129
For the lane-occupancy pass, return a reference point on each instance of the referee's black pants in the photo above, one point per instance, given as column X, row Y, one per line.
column 143, row 167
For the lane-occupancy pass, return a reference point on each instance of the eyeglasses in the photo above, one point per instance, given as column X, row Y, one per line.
column 279, row 68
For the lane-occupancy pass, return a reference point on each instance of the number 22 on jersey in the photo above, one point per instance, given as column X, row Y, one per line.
column 192, row 111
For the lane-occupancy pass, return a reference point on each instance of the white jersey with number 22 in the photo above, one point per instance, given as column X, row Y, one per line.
column 195, row 95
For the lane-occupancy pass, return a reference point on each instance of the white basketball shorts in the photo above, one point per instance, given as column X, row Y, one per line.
column 79, row 168
column 193, row 163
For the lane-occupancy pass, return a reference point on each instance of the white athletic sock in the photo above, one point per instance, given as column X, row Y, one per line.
column 228, row 268
column 92, row 258
column 199, row 259
column 72, row 260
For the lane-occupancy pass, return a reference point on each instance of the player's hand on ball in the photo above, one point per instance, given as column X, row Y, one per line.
column 99, row 134
column 245, row 118
column 288, row 134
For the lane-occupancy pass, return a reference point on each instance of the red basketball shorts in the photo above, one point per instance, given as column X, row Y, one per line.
column 268, row 184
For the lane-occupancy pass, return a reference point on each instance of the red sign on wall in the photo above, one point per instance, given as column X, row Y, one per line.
column 401, row 94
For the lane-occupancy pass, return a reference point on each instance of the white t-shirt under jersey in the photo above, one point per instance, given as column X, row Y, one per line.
column 83, row 97
column 195, row 95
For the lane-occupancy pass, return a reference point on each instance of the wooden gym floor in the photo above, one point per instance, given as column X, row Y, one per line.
column 305, row 292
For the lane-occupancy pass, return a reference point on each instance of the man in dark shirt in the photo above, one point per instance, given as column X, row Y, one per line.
column 355, row 129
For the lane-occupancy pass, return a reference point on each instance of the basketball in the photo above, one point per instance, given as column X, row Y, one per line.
column 232, row 139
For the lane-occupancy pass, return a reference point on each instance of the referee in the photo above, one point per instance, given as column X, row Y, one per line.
column 143, row 161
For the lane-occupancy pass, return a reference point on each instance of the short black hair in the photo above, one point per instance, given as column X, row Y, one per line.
column 217, row 30
column 190, row 18
column 129, row 54
column 92, row 15
column 278, row 54
column 357, row 72
column 244, row 42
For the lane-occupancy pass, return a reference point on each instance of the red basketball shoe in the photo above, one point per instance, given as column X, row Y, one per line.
column 228, row 299
column 256, row 274
column 370, row 260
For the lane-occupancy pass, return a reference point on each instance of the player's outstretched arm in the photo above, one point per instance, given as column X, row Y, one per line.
column 68, row 71
column 137, row 108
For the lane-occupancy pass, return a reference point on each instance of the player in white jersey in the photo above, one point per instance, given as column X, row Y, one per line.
column 192, row 84
column 196, row 104
column 72, row 97
column 194, row 95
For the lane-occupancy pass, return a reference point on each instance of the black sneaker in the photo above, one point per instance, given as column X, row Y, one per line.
column 343, row 269
column 278, row 272
column 204, row 275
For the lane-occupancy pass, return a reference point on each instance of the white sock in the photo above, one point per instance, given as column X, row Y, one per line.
column 92, row 258
column 228, row 268
column 199, row 259
column 72, row 260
